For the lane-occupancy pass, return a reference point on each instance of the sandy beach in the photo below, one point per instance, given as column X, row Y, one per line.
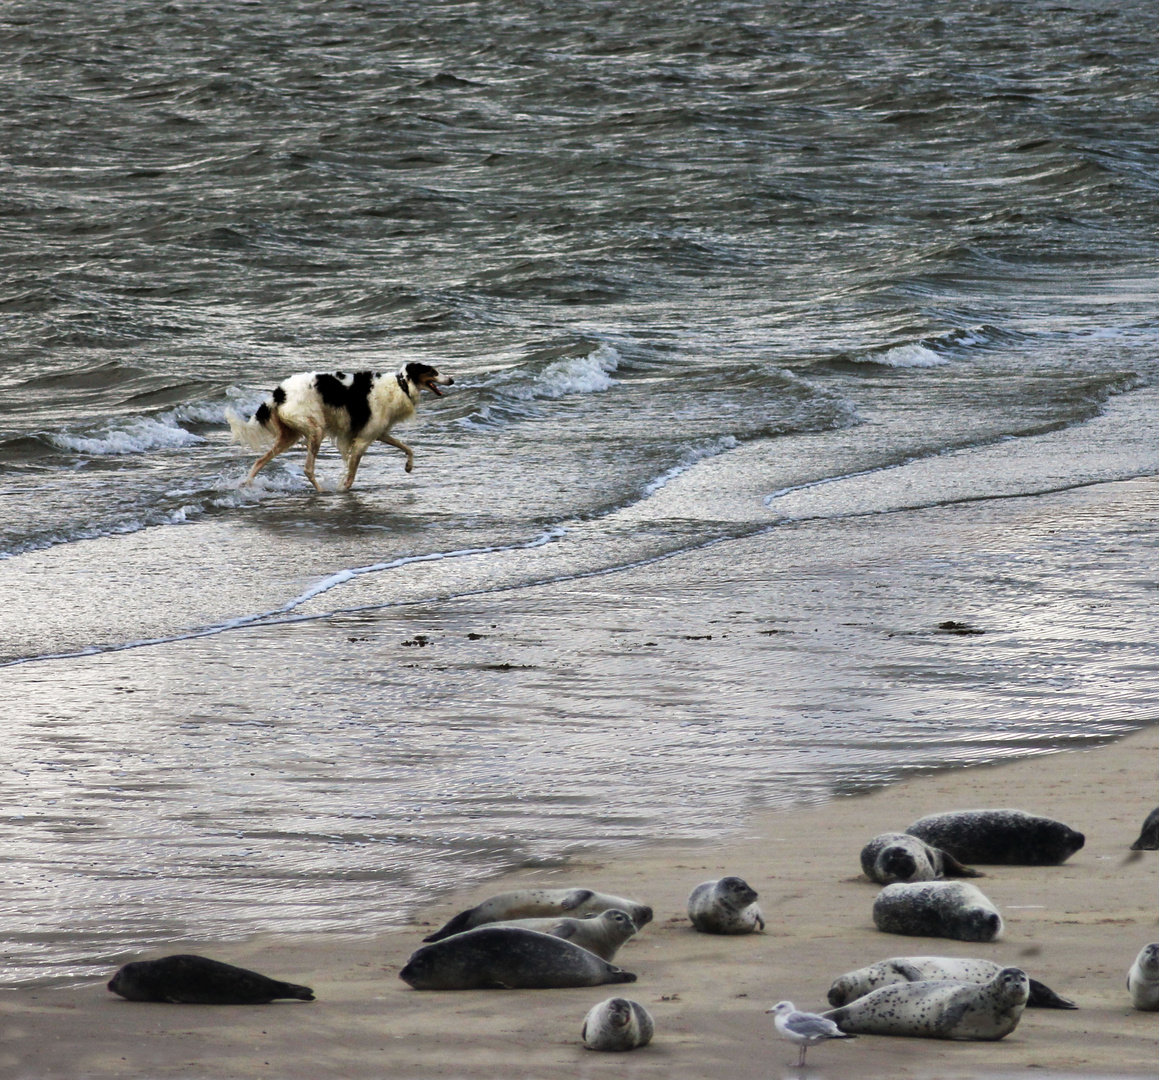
column 1076, row 927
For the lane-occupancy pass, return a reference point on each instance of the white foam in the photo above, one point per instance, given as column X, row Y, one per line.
column 904, row 356
column 690, row 458
column 135, row 435
column 571, row 375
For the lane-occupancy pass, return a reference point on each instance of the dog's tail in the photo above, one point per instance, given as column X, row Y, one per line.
column 253, row 432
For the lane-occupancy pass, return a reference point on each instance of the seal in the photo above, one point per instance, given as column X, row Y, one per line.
column 1006, row 837
column 507, row 958
column 950, row 909
column 541, row 903
column 939, row 1010
column 898, row 856
column 725, row 906
column 602, row 934
column 186, row 979
column 1143, row 979
column 617, row 1024
column 855, row 984
column 1149, row 834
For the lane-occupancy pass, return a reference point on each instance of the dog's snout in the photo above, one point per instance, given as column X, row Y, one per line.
column 450, row 381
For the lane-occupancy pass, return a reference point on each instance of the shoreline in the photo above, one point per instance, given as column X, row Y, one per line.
column 1076, row 927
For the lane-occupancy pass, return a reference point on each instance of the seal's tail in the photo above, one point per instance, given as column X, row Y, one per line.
column 302, row 993
column 1043, row 997
column 250, row 432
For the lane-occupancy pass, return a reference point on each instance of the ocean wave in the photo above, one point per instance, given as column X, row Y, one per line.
column 914, row 355
column 584, row 374
column 134, row 435
column 690, row 457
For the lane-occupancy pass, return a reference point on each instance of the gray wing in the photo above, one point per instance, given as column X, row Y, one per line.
column 812, row 1026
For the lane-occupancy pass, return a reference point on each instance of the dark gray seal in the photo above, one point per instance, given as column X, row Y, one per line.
column 539, row 904
column 1005, row 837
column 939, row 1010
column 725, row 906
column 507, row 958
column 617, row 1024
column 186, row 979
column 1149, row 835
column 855, row 984
column 898, row 856
column 949, row 909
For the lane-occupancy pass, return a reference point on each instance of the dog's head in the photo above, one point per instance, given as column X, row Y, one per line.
column 426, row 377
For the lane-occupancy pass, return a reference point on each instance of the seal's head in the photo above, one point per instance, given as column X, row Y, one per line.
column 1148, row 961
column 1014, row 984
column 736, row 891
column 897, row 862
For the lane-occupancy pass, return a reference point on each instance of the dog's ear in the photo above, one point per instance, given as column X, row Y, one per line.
column 417, row 371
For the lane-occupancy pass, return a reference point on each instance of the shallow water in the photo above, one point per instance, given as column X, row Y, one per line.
column 772, row 333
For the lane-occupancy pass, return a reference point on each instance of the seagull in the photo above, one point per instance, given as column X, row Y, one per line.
column 804, row 1029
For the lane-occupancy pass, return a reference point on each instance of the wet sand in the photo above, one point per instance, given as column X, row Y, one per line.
column 1076, row 927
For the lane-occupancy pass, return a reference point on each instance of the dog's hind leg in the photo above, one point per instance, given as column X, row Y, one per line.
column 286, row 438
column 410, row 456
column 313, row 445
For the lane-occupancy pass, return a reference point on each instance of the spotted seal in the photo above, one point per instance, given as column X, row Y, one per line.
column 725, row 906
column 507, row 958
column 950, row 909
column 856, row 984
column 186, row 979
column 541, row 903
column 938, row 1009
column 898, row 856
column 617, row 1024
column 1143, row 979
column 602, row 934
column 1149, row 834
column 1008, row 837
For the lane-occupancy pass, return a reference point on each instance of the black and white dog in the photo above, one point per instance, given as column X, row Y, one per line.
column 354, row 409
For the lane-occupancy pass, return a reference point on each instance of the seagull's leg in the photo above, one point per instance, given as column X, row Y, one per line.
column 801, row 1059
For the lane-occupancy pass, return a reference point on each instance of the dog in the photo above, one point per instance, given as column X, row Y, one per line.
column 354, row 410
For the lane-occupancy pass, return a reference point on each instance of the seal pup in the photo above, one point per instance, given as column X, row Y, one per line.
column 602, row 934
column 1008, row 837
column 1149, row 835
column 1143, row 979
column 507, row 958
column 940, row 1010
column 855, row 984
column 950, row 909
column 725, row 906
column 898, row 856
column 617, row 1024
column 804, row 1029
column 186, row 979
column 541, row 903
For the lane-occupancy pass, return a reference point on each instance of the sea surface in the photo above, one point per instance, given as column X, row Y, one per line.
column 744, row 303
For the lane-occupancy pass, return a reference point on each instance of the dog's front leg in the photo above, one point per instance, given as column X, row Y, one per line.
column 410, row 457
column 353, row 458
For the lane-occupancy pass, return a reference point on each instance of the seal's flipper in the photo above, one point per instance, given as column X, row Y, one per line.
column 457, row 925
column 575, row 898
column 907, row 971
column 952, row 868
column 1043, row 997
